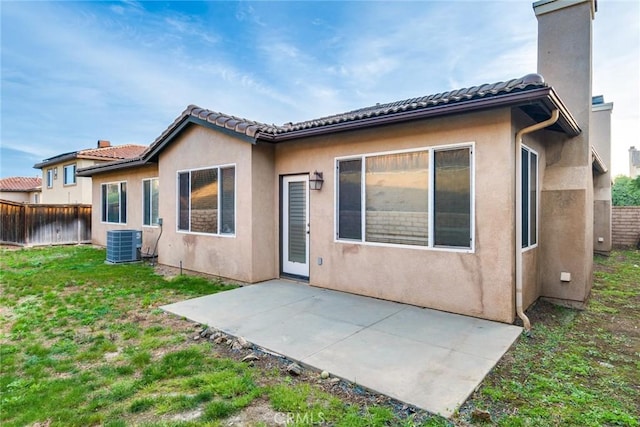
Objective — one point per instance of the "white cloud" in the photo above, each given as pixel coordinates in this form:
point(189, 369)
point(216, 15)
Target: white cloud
point(124, 71)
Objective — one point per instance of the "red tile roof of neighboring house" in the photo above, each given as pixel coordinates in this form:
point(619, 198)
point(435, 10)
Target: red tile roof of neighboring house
point(118, 152)
point(20, 183)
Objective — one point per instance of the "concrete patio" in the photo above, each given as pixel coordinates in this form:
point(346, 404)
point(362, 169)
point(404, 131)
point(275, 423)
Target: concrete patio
point(426, 358)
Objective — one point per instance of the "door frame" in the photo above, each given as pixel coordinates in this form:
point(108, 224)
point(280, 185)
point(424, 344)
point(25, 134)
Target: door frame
point(284, 180)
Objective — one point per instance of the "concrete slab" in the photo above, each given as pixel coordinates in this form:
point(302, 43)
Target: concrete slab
point(427, 358)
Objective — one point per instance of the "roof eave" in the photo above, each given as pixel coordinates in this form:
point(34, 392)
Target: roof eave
point(110, 167)
point(597, 163)
point(180, 125)
point(545, 96)
point(55, 160)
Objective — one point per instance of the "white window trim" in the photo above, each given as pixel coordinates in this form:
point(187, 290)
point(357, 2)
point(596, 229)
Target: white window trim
point(235, 200)
point(430, 246)
point(535, 245)
point(64, 175)
point(142, 184)
point(50, 181)
point(119, 202)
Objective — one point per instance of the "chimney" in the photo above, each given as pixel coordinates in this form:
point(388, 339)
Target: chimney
point(102, 143)
point(567, 193)
point(565, 56)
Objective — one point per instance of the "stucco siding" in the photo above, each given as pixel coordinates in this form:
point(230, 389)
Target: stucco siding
point(477, 284)
point(59, 193)
point(17, 196)
point(133, 178)
point(222, 255)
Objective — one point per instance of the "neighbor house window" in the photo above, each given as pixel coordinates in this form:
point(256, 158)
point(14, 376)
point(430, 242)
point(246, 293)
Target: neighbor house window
point(416, 198)
point(114, 202)
point(150, 193)
point(206, 200)
point(69, 174)
point(49, 178)
point(529, 197)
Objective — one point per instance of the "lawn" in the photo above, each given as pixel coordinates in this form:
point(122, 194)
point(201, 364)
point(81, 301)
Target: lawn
point(84, 343)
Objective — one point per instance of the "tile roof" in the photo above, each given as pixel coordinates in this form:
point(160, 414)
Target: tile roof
point(530, 81)
point(530, 92)
point(118, 152)
point(20, 183)
point(127, 151)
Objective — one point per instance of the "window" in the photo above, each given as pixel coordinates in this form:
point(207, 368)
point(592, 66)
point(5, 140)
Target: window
point(206, 200)
point(114, 202)
point(417, 198)
point(49, 178)
point(69, 174)
point(529, 197)
point(150, 192)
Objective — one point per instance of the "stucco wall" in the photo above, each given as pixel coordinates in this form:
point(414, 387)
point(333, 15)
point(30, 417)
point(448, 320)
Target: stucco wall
point(564, 59)
point(477, 284)
point(16, 196)
point(134, 178)
point(626, 226)
point(601, 140)
point(224, 255)
point(78, 193)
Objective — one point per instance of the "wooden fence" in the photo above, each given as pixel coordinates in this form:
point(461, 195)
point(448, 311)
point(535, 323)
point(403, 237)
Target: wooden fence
point(32, 225)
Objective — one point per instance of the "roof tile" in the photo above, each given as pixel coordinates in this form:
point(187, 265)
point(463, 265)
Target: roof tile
point(127, 151)
point(20, 183)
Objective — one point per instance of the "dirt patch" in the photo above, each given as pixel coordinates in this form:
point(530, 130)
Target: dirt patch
point(259, 412)
point(169, 272)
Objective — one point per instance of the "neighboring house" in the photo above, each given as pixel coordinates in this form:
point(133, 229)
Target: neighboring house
point(634, 162)
point(476, 201)
point(60, 183)
point(21, 189)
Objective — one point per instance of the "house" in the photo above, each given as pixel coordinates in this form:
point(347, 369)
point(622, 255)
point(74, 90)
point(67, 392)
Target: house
point(62, 186)
point(21, 189)
point(475, 201)
point(634, 162)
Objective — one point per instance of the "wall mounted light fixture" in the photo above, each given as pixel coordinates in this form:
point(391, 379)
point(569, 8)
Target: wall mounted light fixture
point(315, 183)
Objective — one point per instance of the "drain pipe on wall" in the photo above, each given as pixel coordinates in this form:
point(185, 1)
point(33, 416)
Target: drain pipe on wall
point(518, 250)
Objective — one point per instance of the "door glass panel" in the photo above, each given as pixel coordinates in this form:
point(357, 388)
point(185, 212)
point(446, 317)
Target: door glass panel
point(297, 222)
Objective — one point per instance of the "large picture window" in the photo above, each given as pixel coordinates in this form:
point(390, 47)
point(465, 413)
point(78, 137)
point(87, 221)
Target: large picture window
point(150, 198)
point(416, 198)
point(529, 197)
point(114, 202)
point(207, 200)
point(69, 174)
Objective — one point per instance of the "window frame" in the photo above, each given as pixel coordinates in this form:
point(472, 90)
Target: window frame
point(530, 151)
point(104, 217)
point(151, 223)
point(431, 198)
point(219, 168)
point(50, 177)
point(64, 175)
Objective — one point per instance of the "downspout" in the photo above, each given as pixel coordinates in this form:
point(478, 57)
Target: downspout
point(518, 249)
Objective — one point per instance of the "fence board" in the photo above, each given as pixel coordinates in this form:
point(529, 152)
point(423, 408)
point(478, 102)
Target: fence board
point(29, 224)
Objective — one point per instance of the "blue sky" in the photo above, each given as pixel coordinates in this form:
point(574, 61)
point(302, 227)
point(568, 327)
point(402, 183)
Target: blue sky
point(76, 72)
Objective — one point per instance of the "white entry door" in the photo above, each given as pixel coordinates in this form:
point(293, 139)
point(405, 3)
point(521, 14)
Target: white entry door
point(295, 225)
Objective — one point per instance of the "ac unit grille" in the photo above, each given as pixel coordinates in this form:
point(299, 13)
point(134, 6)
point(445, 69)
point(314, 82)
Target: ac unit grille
point(123, 245)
